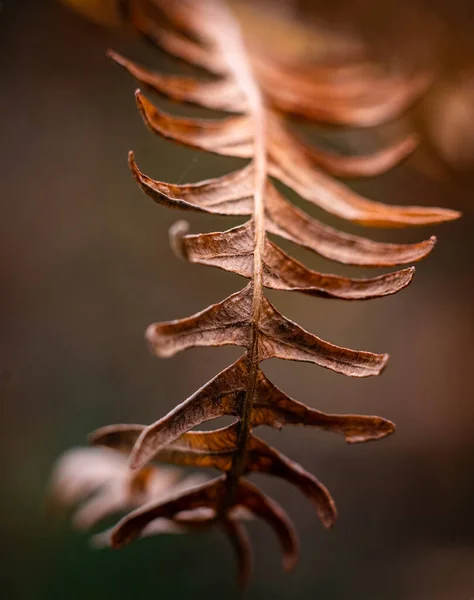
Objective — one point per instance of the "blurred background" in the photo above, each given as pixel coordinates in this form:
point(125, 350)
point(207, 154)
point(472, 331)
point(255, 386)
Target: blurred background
point(86, 266)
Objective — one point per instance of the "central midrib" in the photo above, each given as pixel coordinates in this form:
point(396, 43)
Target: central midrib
point(232, 48)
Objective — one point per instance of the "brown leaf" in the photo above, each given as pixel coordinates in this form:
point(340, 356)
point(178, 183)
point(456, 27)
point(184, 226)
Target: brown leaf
point(262, 458)
point(281, 338)
point(121, 437)
point(358, 166)
point(132, 526)
point(208, 495)
point(100, 482)
point(216, 449)
point(228, 323)
point(202, 449)
point(231, 195)
point(357, 99)
point(221, 94)
point(119, 496)
point(231, 136)
point(240, 540)
point(221, 396)
point(79, 471)
point(293, 224)
point(179, 45)
point(264, 88)
point(233, 251)
point(227, 195)
point(275, 408)
point(190, 521)
point(341, 79)
point(185, 16)
point(271, 512)
point(294, 169)
point(268, 460)
point(222, 324)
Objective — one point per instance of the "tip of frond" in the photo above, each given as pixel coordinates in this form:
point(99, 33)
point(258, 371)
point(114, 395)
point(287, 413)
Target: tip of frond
point(143, 105)
point(116, 539)
point(115, 56)
point(176, 234)
point(93, 439)
point(384, 428)
point(385, 359)
point(388, 428)
point(457, 214)
point(138, 458)
point(444, 215)
point(151, 337)
point(329, 520)
point(101, 540)
point(405, 278)
point(132, 165)
point(289, 563)
point(450, 214)
point(380, 428)
point(141, 102)
point(410, 273)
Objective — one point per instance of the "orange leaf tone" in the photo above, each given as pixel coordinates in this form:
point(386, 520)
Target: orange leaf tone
point(260, 92)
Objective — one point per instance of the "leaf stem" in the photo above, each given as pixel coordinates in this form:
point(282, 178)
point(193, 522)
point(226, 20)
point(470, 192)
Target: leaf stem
point(232, 47)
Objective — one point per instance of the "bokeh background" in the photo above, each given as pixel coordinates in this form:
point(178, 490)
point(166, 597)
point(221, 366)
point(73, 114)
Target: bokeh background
point(85, 267)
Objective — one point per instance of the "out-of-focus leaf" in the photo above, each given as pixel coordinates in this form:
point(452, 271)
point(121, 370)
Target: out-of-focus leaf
point(262, 86)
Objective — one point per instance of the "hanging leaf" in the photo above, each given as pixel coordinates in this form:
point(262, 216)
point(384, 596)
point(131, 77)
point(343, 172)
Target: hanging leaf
point(261, 91)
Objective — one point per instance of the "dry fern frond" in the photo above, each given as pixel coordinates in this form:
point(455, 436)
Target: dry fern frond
point(100, 482)
point(261, 91)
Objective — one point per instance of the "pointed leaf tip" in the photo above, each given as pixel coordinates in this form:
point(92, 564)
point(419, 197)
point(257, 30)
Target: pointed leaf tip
point(222, 324)
point(221, 396)
point(240, 540)
point(233, 251)
point(231, 136)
